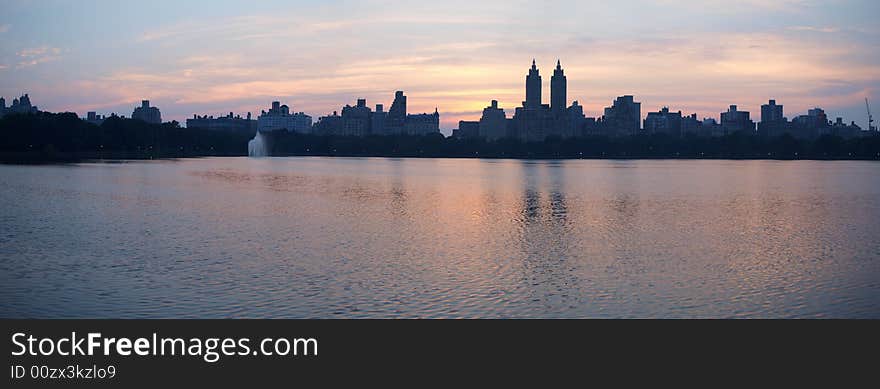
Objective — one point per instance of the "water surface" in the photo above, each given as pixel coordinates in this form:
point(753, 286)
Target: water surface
point(388, 238)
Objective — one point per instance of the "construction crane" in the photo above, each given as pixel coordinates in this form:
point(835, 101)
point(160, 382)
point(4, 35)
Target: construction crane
point(870, 118)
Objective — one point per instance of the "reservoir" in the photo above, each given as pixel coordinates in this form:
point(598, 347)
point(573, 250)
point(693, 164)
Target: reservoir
point(310, 237)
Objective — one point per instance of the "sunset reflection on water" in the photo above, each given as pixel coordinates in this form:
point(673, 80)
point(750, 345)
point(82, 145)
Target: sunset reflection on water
point(374, 237)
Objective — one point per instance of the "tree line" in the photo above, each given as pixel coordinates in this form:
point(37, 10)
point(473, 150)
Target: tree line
point(51, 136)
point(47, 135)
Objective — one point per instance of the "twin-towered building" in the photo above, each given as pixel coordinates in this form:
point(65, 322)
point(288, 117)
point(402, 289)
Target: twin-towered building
point(535, 121)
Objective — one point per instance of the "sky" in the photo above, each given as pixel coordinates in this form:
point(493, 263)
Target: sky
point(216, 56)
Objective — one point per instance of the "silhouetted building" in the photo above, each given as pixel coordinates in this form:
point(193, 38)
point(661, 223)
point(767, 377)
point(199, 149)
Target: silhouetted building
point(837, 128)
point(279, 118)
point(574, 120)
point(711, 127)
point(773, 121)
point(397, 114)
point(413, 124)
point(533, 124)
point(569, 120)
point(93, 118)
point(422, 124)
point(664, 122)
point(772, 113)
point(818, 118)
point(19, 105)
point(493, 123)
point(530, 121)
point(558, 90)
point(534, 121)
point(357, 120)
point(328, 125)
point(841, 129)
point(147, 113)
point(735, 121)
point(533, 88)
point(467, 129)
point(707, 127)
point(378, 121)
point(623, 117)
point(229, 123)
point(690, 125)
point(591, 127)
point(812, 125)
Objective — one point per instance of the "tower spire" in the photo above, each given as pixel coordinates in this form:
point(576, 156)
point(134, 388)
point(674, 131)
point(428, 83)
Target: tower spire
point(558, 89)
point(533, 88)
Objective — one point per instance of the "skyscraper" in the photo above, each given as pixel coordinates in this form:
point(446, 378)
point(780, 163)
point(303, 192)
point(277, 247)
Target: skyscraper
point(147, 113)
point(19, 105)
point(558, 90)
point(624, 116)
point(771, 112)
point(280, 118)
point(396, 114)
point(533, 88)
point(356, 120)
point(773, 123)
point(359, 120)
point(735, 120)
point(378, 120)
point(493, 123)
point(535, 121)
point(664, 121)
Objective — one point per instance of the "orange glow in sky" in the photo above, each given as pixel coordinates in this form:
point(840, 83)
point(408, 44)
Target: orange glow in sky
point(221, 56)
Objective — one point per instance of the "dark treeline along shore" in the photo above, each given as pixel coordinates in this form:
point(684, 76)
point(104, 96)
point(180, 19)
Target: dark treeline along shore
point(64, 137)
point(45, 136)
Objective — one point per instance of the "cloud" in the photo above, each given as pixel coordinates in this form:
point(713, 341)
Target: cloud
point(38, 51)
point(827, 30)
point(697, 56)
point(5, 28)
point(701, 73)
point(301, 25)
point(739, 6)
point(37, 55)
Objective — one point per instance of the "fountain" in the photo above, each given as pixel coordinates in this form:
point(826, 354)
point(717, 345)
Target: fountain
point(259, 146)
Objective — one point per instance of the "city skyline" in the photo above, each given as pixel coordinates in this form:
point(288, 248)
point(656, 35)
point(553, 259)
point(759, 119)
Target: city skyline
point(532, 121)
point(218, 57)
